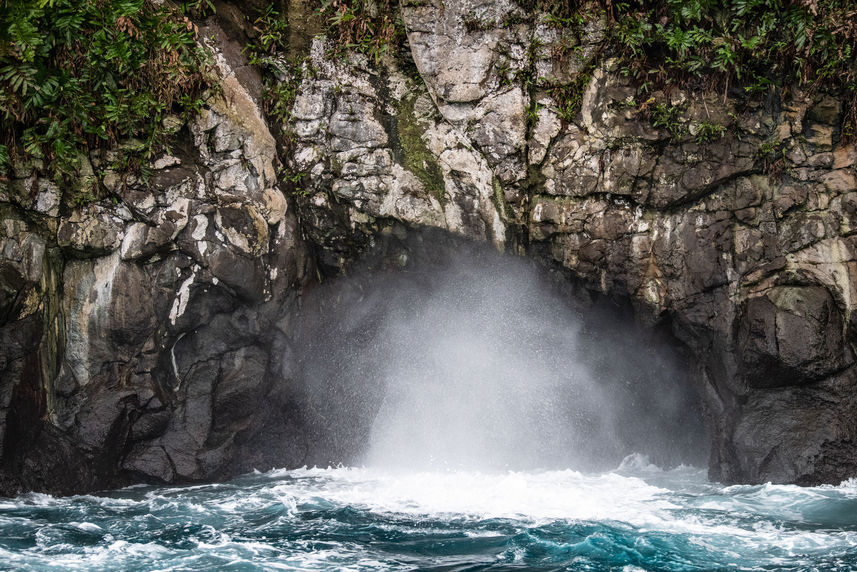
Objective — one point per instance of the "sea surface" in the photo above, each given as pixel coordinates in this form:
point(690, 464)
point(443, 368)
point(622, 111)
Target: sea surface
point(637, 517)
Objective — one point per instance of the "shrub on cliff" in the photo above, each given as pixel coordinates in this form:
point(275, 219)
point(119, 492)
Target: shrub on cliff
point(77, 75)
point(751, 45)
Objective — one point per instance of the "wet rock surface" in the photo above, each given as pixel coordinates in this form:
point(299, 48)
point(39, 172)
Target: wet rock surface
point(137, 331)
point(147, 337)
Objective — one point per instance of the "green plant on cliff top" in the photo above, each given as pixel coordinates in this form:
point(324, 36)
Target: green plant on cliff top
point(707, 132)
point(282, 77)
point(77, 75)
point(370, 27)
point(669, 117)
point(272, 30)
point(751, 44)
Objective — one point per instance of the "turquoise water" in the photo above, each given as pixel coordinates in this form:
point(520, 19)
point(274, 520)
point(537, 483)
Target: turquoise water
point(637, 517)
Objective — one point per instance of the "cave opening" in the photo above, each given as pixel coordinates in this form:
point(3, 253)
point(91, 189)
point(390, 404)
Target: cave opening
point(434, 352)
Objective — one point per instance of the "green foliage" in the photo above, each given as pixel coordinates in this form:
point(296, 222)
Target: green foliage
point(279, 99)
point(772, 155)
point(266, 51)
point(198, 8)
point(749, 45)
point(768, 149)
point(280, 96)
point(370, 27)
point(516, 19)
point(756, 43)
point(573, 21)
point(568, 10)
point(707, 132)
point(293, 181)
point(669, 117)
point(282, 78)
point(86, 74)
point(272, 31)
point(504, 71)
point(532, 114)
point(4, 160)
point(569, 96)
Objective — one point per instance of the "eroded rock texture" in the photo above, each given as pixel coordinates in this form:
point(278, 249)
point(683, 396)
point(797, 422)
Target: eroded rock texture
point(147, 337)
point(138, 333)
point(743, 242)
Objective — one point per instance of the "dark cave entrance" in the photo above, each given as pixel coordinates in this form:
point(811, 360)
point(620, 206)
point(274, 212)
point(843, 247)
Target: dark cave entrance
point(433, 348)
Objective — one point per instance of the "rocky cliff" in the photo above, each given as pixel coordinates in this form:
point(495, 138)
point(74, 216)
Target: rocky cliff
point(147, 337)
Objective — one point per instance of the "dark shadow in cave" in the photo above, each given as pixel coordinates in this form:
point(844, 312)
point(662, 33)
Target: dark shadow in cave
point(435, 352)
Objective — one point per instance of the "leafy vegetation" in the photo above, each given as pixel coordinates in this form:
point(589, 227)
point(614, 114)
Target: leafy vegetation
point(666, 116)
point(707, 131)
point(282, 77)
point(272, 37)
point(759, 42)
point(365, 26)
point(370, 27)
point(78, 75)
point(772, 155)
point(752, 45)
point(567, 11)
point(748, 45)
point(569, 96)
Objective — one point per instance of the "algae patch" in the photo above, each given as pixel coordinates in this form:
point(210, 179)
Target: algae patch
point(417, 157)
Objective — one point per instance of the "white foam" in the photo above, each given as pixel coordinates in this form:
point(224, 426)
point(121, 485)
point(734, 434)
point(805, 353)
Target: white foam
point(736, 522)
point(761, 523)
point(87, 527)
point(543, 495)
point(637, 462)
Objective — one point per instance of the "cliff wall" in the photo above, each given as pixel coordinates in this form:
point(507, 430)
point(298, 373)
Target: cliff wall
point(146, 336)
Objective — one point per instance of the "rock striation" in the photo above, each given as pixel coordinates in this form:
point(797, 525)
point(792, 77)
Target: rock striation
point(147, 337)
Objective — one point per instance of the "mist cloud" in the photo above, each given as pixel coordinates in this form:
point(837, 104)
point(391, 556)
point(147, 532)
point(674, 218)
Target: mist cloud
point(477, 361)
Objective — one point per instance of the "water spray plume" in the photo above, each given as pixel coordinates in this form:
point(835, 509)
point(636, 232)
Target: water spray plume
point(476, 361)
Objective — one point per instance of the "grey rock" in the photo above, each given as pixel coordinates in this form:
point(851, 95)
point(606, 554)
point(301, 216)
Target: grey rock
point(91, 231)
point(790, 336)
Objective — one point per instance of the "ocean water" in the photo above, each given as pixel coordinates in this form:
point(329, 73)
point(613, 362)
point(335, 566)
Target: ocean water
point(636, 517)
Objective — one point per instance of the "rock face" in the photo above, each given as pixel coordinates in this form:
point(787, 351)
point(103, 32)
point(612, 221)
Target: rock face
point(375, 147)
point(146, 337)
point(137, 333)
